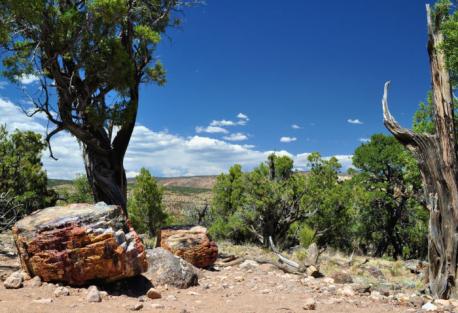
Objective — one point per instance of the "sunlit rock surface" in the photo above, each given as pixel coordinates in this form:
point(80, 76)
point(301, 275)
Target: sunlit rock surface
point(190, 243)
point(79, 243)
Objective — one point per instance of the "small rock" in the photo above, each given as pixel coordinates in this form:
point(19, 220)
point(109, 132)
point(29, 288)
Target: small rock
point(346, 291)
point(35, 282)
point(375, 295)
point(309, 304)
point(266, 291)
point(342, 278)
point(93, 294)
point(328, 280)
point(61, 292)
point(43, 301)
point(14, 281)
point(249, 264)
point(171, 298)
point(239, 279)
point(103, 294)
point(142, 299)
point(134, 307)
point(157, 306)
point(312, 271)
point(153, 294)
point(429, 307)
point(362, 288)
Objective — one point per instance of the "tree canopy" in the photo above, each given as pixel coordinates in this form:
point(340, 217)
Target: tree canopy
point(91, 57)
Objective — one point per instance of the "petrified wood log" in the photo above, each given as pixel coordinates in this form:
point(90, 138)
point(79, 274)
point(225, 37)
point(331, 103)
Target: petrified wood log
point(78, 243)
point(191, 243)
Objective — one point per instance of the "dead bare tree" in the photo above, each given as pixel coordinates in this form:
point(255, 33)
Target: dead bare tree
point(437, 159)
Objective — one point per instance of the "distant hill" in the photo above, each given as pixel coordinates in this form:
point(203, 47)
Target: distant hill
point(202, 183)
point(185, 183)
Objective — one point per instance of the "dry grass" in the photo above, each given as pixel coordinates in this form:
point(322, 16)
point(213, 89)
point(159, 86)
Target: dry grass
point(331, 261)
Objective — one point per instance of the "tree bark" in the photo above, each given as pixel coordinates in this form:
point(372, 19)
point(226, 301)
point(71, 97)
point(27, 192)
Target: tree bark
point(436, 157)
point(107, 177)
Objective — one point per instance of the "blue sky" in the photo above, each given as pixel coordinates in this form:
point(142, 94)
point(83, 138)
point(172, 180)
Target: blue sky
point(314, 64)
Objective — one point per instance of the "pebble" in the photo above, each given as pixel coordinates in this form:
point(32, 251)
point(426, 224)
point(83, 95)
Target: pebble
point(153, 294)
point(36, 282)
point(61, 292)
point(93, 294)
point(43, 301)
point(309, 304)
point(157, 306)
point(428, 307)
point(249, 265)
point(134, 307)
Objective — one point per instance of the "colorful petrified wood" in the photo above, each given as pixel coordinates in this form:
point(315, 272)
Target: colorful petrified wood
point(79, 243)
point(190, 243)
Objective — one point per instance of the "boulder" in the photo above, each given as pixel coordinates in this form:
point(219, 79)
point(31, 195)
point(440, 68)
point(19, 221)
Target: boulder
point(191, 243)
point(78, 243)
point(164, 268)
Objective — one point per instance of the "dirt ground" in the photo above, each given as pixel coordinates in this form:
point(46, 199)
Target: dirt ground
point(256, 289)
point(261, 290)
point(230, 290)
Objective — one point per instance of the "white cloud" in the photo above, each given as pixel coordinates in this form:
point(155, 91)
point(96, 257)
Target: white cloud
point(364, 140)
point(243, 116)
point(211, 130)
point(243, 119)
point(354, 121)
point(236, 137)
point(3, 84)
point(28, 79)
point(223, 123)
point(295, 126)
point(287, 139)
point(163, 153)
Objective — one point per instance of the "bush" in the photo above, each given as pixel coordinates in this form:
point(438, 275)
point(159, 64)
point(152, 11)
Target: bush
point(81, 191)
point(21, 172)
point(145, 205)
point(259, 204)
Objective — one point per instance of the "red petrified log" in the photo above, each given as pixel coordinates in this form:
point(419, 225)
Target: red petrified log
point(193, 244)
point(78, 243)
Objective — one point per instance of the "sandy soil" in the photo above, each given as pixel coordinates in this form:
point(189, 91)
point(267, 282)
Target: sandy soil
point(231, 290)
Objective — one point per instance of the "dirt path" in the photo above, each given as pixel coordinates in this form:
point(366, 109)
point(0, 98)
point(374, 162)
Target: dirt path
point(231, 290)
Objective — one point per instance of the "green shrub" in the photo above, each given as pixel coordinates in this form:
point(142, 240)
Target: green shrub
point(22, 175)
point(145, 205)
point(81, 191)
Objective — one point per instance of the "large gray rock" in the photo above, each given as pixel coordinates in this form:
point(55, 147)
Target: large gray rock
point(164, 268)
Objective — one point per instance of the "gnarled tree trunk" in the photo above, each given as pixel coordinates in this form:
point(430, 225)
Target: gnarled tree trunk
point(107, 177)
point(436, 156)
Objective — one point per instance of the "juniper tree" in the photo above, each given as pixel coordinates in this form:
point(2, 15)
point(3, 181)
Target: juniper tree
point(91, 57)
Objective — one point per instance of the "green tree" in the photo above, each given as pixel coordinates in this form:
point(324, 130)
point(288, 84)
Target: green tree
point(21, 171)
point(91, 57)
point(226, 206)
point(331, 201)
point(81, 191)
point(390, 215)
point(145, 205)
point(259, 204)
point(449, 28)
